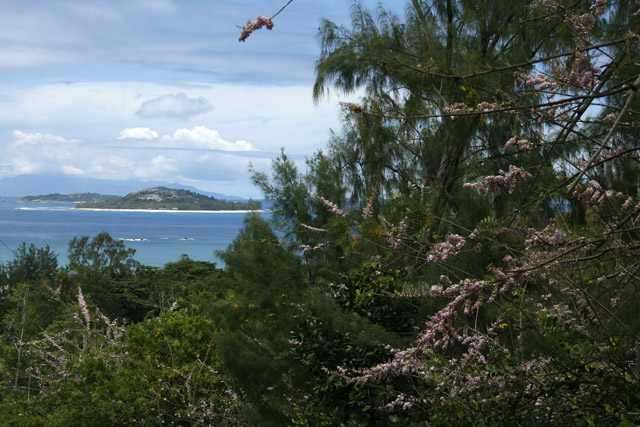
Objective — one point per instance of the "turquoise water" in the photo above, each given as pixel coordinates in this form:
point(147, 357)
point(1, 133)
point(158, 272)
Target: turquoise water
point(157, 237)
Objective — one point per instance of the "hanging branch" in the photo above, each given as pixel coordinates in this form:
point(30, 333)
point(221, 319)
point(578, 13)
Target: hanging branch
point(260, 22)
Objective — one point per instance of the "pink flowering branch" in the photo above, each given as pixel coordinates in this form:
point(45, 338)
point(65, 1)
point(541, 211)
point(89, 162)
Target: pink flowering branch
point(260, 22)
point(306, 248)
point(252, 26)
point(367, 212)
point(627, 106)
point(84, 310)
point(509, 179)
point(332, 207)
point(314, 229)
point(354, 108)
point(548, 280)
point(52, 353)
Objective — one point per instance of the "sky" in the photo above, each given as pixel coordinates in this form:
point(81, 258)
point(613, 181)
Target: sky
point(161, 90)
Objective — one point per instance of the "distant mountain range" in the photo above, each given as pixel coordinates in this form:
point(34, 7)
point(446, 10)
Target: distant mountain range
point(24, 185)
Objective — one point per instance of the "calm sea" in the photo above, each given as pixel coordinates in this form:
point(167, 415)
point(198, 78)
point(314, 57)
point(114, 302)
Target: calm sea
point(157, 237)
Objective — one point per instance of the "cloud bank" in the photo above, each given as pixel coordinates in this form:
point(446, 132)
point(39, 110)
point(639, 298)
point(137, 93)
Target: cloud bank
point(90, 129)
point(34, 152)
point(199, 137)
point(191, 156)
point(44, 139)
point(138, 133)
point(178, 106)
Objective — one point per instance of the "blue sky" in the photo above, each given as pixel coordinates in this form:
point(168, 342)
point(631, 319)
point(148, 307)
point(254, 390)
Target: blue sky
point(160, 89)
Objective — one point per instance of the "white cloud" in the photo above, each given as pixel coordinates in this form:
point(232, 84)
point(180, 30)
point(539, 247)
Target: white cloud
point(37, 152)
point(22, 138)
point(173, 106)
point(63, 127)
point(276, 117)
point(71, 170)
point(138, 133)
point(24, 165)
point(202, 137)
point(199, 137)
point(69, 68)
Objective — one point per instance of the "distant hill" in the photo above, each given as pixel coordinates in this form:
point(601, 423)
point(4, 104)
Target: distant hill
point(21, 185)
point(164, 198)
point(72, 198)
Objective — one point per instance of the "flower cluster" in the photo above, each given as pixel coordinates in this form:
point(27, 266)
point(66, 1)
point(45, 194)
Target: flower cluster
point(84, 310)
point(550, 236)
point(593, 194)
point(252, 26)
point(523, 144)
point(608, 155)
point(509, 179)
point(442, 251)
point(483, 109)
point(367, 212)
point(456, 109)
point(395, 239)
point(54, 351)
point(332, 207)
point(306, 248)
point(541, 81)
point(598, 7)
point(581, 25)
point(314, 229)
point(354, 108)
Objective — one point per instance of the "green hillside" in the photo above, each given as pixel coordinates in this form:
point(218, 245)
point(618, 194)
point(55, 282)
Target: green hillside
point(169, 199)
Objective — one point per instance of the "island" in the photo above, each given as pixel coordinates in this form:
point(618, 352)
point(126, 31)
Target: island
point(163, 198)
point(68, 198)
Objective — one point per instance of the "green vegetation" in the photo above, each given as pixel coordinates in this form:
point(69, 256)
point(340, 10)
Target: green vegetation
point(68, 198)
point(168, 199)
point(466, 252)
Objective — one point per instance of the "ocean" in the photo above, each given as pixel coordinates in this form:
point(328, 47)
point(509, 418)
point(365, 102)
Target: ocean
point(157, 237)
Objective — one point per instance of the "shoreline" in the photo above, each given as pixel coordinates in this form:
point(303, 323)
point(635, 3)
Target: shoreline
point(148, 210)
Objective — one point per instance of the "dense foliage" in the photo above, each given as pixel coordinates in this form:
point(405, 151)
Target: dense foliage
point(466, 251)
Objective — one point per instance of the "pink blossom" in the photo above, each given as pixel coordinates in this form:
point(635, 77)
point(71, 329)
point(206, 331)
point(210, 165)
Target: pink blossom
point(83, 309)
point(610, 118)
point(510, 142)
point(492, 182)
point(316, 229)
point(332, 207)
point(306, 248)
point(456, 240)
point(252, 26)
point(368, 210)
point(354, 108)
point(598, 7)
